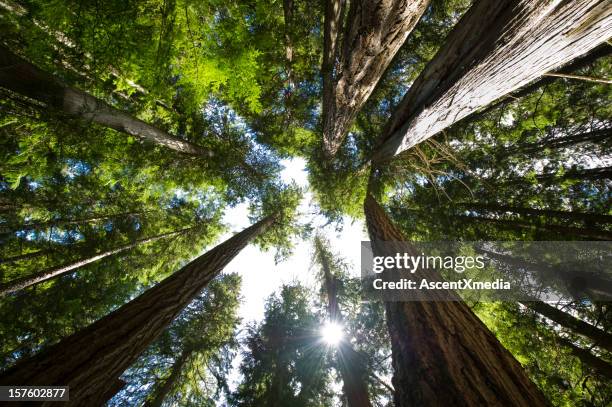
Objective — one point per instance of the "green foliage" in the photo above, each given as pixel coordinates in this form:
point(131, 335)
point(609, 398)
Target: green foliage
point(285, 362)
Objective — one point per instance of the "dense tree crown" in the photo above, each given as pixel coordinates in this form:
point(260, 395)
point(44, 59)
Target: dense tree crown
point(131, 130)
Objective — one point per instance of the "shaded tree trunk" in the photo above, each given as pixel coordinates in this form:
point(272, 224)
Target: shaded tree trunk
point(357, 55)
point(20, 76)
point(578, 282)
point(90, 360)
point(519, 226)
point(565, 141)
point(547, 213)
point(443, 355)
point(161, 392)
point(288, 18)
point(496, 48)
point(25, 256)
point(62, 222)
point(351, 364)
point(599, 337)
point(598, 365)
point(46, 275)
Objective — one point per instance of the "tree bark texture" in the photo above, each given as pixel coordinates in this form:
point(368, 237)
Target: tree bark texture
point(20, 76)
point(45, 275)
point(497, 47)
point(356, 56)
point(90, 360)
point(443, 355)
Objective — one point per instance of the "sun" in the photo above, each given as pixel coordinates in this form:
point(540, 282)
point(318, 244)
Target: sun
point(332, 333)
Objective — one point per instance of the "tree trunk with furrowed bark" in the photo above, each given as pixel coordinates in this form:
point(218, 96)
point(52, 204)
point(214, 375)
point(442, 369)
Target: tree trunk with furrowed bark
point(91, 360)
point(443, 355)
point(599, 337)
point(48, 274)
point(20, 76)
point(357, 54)
point(496, 48)
point(351, 364)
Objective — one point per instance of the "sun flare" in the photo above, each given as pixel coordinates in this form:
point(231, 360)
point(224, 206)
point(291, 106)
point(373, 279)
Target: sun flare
point(332, 333)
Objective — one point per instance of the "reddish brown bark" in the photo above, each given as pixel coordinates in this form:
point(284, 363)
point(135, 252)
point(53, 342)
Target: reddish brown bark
point(91, 360)
point(357, 54)
point(443, 355)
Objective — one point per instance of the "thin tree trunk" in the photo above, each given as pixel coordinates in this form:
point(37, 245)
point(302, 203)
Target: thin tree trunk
point(25, 256)
point(584, 233)
point(548, 213)
point(374, 32)
point(599, 337)
point(598, 365)
point(288, 18)
point(565, 141)
point(579, 77)
point(578, 282)
point(20, 76)
point(62, 222)
point(351, 364)
point(161, 392)
point(46, 275)
point(90, 360)
point(497, 47)
point(443, 355)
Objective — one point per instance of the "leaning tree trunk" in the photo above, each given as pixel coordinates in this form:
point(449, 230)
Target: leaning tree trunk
point(46, 275)
point(351, 364)
point(374, 32)
point(599, 337)
point(91, 360)
point(563, 142)
point(547, 213)
point(161, 392)
point(62, 222)
point(597, 364)
point(443, 355)
point(20, 76)
point(25, 256)
point(497, 47)
point(518, 226)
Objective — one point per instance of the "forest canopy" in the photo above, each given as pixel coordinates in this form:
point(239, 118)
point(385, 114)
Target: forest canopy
point(161, 161)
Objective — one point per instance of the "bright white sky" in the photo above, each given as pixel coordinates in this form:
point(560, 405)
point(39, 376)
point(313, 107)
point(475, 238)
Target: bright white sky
point(261, 277)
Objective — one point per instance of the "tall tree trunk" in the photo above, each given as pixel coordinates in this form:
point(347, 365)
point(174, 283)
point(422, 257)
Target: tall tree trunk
point(564, 141)
point(497, 47)
point(61, 222)
point(90, 360)
point(443, 355)
point(597, 364)
point(598, 173)
point(584, 233)
point(583, 61)
point(20, 76)
point(578, 282)
point(45, 275)
point(288, 18)
point(161, 392)
point(374, 32)
point(351, 364)
point(25, 256)
point(547, 213)
point(599, 337)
